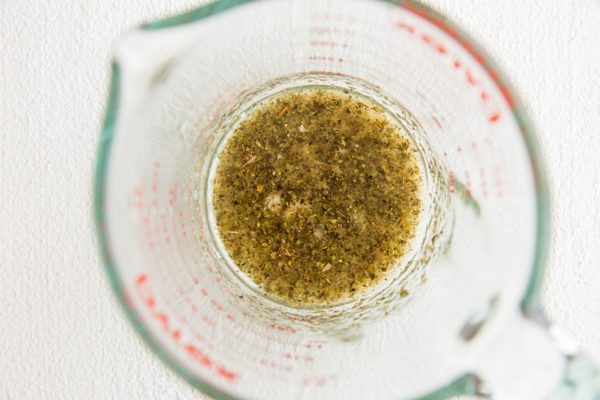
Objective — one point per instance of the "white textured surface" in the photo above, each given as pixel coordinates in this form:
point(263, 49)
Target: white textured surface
point(61, 332)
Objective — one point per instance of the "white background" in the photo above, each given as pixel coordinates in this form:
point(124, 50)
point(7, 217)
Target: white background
point(62, 335)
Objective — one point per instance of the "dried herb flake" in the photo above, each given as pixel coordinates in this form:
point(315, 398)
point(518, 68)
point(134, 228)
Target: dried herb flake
point(316, 195)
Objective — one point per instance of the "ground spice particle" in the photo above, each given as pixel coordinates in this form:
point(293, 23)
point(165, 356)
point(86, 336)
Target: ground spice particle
point(316, 195)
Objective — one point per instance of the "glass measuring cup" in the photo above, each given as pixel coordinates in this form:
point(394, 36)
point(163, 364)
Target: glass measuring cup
point(466, 318)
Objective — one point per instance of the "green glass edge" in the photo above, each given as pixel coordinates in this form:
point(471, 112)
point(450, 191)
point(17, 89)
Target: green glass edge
point(465, 384)
point(106, 137)
point(195, 14)
point(530, 303)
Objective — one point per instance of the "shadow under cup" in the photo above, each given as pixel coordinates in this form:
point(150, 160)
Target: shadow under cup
point(179, 88)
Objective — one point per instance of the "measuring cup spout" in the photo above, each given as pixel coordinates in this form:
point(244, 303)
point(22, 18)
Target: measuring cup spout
point(146, 59)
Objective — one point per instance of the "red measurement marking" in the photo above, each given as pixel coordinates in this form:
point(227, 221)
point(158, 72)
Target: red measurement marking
point(231, 318)
point(472, 81)
point(491, 107)
point(282, 328)
point(445, 28)
point(469, 48)
point(138, 197)
point(425, 37)
point(452, 182)
point(163, 319)
point(327, 43)
point(325, 58)
point(173, 194)
point(483, 182)
point(224, 286)
point(405, 26)
point(182, 224)
point(165, 229)
point(498, 181)
point(437, 46)
point(275, 365)
point(307, 359)
point(322, 71)
point(239, 342)
point(468, 183)
point(155, 182)
point(248, 330)
point(199, 356)
point(208, 321)
point(228, 375)
point(264, 335)
point(144, 292)
point(503, 89)
point(202, 339)
point(181, 319)
point(216, 305)
point(318, 381)
point(176, 335)
point(192, 350)
point(319, 30)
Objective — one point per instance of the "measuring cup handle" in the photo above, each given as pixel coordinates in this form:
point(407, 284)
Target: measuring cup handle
point(532, 361)
point(581, 380)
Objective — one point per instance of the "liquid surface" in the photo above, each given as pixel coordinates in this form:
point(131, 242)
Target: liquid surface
point(317, 195)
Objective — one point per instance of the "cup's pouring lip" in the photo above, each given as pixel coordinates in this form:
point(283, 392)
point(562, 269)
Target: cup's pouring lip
point(530, 299)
